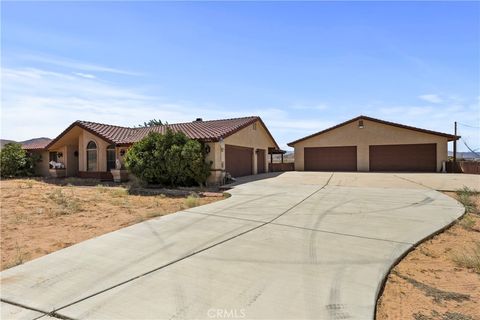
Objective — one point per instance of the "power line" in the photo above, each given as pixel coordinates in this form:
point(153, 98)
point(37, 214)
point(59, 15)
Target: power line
point(471, 150)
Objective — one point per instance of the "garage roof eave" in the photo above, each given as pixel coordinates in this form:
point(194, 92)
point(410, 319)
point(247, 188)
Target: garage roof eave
point(450, 137)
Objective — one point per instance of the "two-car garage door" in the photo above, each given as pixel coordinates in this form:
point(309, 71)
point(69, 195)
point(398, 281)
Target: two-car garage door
point(401, 157)
point(404, 157)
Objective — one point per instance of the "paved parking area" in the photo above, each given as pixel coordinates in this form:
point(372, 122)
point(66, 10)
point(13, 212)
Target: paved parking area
point(294, 246)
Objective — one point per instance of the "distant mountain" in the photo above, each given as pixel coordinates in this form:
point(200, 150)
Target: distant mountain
point(287, 157)
point(32, 142)
point(465, 155)
point(4, 142)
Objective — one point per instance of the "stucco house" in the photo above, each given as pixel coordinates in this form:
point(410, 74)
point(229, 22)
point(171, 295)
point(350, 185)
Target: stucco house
point(368, 144)
point(239, 146)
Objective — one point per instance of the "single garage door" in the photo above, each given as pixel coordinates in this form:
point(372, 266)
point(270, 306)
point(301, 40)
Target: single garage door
point(238, 160)
point(330, 159)
point(261, 158)
point(404, 157)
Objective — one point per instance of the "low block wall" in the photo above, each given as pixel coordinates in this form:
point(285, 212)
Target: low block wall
point(279, 167)
point(101, 175)
point(472, 167)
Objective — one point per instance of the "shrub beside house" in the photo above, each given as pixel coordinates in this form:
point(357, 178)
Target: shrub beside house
point(16, 162)
point(170, 159)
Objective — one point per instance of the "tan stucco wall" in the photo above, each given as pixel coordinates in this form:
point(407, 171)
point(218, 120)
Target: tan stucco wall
point(84, 138)
point(373, 133)
point(252, 138)
point(217, 157)
point(41, 166)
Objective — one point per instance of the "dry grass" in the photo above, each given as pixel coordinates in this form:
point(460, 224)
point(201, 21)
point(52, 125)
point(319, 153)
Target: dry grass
point(470, 258)
point(440, 279)
point(38, 218)
point(192, 201)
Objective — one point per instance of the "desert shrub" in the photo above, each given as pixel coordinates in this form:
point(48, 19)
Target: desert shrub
point(467, 222)
point(15, 162)
point(118, 192)
point(466, 197)
point(67, 204)
point(191, 201)
point(170, 159)
point(469, 258)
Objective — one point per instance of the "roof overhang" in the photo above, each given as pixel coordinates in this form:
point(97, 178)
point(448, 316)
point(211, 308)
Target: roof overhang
point(73, 126)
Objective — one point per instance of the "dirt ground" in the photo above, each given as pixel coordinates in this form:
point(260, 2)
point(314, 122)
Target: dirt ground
point(38, 218)
point(440, 279)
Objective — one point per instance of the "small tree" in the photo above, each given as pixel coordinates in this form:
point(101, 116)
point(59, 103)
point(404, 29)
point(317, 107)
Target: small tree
point(152, 123)
point(15, 162)
point(169, 159)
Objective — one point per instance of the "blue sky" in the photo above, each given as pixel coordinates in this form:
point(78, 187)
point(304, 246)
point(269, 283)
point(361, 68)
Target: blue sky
point(302, 67)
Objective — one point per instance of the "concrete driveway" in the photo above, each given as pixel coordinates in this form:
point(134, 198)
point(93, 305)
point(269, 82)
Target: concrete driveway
point(294, 246)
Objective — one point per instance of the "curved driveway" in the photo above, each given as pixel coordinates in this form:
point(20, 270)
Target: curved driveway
point(295, 246)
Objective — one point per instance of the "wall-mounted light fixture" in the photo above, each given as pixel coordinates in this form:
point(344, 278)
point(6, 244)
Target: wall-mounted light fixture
point(360, 124)
point(207, 149)
point(122, 152)
point(60, 154)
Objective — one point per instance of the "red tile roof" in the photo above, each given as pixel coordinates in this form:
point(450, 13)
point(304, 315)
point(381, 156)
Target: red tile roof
point(110, 133)
point(207, 131)
point(212, 130)
point(450, 137)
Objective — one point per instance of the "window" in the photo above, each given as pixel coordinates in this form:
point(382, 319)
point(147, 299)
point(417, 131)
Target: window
point(52, 156)
point(111, 157)
point(91, 156)
point(254, 126)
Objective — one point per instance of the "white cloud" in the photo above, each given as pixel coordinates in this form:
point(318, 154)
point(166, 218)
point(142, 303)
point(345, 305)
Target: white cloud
point(75, 65)
point(37, 102)
point(432, 98)
point(84, 75)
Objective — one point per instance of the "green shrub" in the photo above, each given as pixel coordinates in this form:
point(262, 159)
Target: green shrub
point(170, 159)
point(15, 162)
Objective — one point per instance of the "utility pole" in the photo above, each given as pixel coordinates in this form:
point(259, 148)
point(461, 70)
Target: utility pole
point(455, 150)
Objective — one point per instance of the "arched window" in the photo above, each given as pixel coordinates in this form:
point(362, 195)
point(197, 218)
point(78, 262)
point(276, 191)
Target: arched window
point(91, 156)
point(111, 157)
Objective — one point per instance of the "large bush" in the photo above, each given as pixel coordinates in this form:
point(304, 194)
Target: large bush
point(170, 159)
point(15, 162)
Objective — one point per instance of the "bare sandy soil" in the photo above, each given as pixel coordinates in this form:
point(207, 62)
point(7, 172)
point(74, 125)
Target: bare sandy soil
point(38, 218)
point(440, 279)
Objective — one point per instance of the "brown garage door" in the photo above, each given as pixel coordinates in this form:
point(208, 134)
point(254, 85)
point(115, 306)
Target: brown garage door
point(331, 159)
point(404, 157)
point(261, 154)
point(238, 160)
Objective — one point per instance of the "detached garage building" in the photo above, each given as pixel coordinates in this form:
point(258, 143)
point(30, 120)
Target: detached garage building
point(368, 144)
